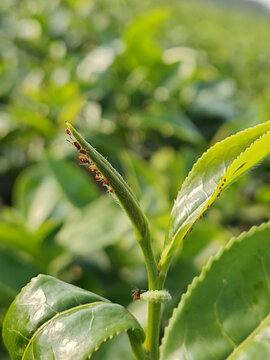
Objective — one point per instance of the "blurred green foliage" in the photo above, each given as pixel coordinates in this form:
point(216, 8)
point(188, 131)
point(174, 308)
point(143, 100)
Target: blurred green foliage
point(152, 88)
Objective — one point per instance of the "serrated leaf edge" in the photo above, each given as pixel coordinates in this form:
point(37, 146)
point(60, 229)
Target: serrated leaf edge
point(206, 268)
point(216, 191)
point(88, 305)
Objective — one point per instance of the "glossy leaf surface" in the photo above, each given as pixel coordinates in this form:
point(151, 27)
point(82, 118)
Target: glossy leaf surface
point(214, 171)
point(51, 319)
point(225, 313)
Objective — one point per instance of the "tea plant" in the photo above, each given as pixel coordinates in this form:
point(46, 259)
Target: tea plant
point(225, 313)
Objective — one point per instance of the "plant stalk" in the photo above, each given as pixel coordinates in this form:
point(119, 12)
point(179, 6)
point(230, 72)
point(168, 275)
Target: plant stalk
point(153, 329)
point(137, 347)
point(154, 318)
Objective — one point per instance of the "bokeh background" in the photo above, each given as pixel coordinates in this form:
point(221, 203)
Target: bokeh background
point(152, 85)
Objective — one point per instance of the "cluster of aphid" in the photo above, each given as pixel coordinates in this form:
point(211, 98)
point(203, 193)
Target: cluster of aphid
point(86, 160)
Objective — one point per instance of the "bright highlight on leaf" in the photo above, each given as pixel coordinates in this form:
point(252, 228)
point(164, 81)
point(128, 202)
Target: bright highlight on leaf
point(225, 313)
point(214, 171)
point(50, 319)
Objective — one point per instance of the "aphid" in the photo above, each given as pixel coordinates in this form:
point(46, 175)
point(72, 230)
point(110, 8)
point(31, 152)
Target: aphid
point(201, 216)
point(224, 180)
point(68, 132)
point(99, 178)
point(190, 229)
point(92, 168)
point(218, 195)
point(111, 191)
point(106, 182)
point(77, 145)
point(84, 160)
point(82, 151)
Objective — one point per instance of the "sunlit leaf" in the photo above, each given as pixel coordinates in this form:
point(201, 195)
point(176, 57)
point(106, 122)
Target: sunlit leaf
point(52, 319)
point(225, 313)
point(214, 171)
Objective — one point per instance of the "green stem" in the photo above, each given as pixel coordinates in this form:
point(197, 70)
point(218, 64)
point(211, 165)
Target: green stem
point(154, 318)
point(153, 329)
point(137, 347)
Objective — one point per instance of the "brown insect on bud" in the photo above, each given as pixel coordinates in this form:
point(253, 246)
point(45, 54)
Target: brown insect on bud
point(136, 293)
point(201, 216)
point(106, 182)
point(99, 178)
point(68, 132)
point(190, 229)
point(111, 191)
point(84, 160)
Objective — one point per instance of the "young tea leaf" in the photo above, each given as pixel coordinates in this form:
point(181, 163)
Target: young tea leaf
point(117, 185)
point(50, 319)
point(225, 313)
point(214, 171)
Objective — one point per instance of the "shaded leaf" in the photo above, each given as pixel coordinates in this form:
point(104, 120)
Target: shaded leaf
point(100, 224)
point(33, 188)
point(171, 123)
point(79, 189)
point(225, 313)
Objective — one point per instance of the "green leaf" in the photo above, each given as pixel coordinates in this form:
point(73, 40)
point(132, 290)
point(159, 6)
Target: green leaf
point(126, 198)
point(51, 319)
point(170, 123)
point(34, 120)
point(141, 47)
point(13, 233)
point(225, 313)
point(214, 171)
point(100, 224)
point(34, 187)
point(79, 189)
